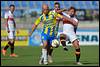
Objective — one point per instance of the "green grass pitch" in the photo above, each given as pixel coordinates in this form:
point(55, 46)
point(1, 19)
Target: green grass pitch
point(30, 55)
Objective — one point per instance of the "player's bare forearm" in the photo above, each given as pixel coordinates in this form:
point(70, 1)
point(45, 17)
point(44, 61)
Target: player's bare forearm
point(73, 22)
point(59, 11)
point(33, 28)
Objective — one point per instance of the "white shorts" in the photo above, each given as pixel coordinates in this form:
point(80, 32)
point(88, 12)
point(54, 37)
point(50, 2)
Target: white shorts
point(11, 35)
point(68, 30)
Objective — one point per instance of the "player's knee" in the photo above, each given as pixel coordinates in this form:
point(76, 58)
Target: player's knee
point(75, 43)
point(45, 45)
point(62, 37)
point(11, 41)
point(49, 47)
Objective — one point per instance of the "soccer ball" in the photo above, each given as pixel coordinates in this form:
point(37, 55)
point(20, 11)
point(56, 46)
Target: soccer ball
point(55, 43)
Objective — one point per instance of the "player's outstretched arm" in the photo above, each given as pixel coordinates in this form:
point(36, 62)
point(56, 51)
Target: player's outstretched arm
point(33, 28)
point(72, 21)
point(35, 25)
point(62, 10)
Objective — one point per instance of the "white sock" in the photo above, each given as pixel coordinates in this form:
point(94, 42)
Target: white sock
point(44, 54)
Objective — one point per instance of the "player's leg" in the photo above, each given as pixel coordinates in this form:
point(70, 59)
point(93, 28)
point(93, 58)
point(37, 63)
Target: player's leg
point(44, 58)
point(63, 41)
point(77, 51)
point(8, 44)
point(75, 42)
point(12, 41)
point(5, 48)
point(44, 52)
point(75, 28)
point(12, 48)
point(50, 50)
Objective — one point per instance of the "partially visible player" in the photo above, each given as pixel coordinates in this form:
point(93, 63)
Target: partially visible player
point(69, 30)
point(10, 26)
point(47, 34)
point(58, 10)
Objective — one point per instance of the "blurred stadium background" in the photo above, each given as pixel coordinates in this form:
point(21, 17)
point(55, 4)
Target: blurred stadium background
point(26, 13)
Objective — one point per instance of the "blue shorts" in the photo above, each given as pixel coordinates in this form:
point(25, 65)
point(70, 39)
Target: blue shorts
point(47, 38)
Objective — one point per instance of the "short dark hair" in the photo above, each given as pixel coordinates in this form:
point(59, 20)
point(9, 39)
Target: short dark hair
point(12, 5)
point(57, 3)
point(72, 8)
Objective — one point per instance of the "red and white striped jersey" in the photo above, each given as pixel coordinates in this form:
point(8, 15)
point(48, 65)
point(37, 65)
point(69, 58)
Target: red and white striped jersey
point(10, 24)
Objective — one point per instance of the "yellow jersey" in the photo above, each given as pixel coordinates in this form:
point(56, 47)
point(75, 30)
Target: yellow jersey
point(49, 22)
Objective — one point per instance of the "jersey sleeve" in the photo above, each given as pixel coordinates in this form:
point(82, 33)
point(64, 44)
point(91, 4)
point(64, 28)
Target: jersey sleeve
point(60, 16)
point(38, 21)
point(56, 14)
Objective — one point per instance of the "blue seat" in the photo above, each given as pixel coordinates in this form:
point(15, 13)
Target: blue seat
point(69, 3)
point(17, 13)
point(17, 3)
point(24, 4)
point(88, 5)
point(3, 5)
point(66, 4)
point(52, 4)
point(77, 5)
point(9, 2)
point(45, 2)
point(95, 4)
point(31, 4)
point(38, 4)
point(73, 3)
point(61, 4)
point(81, 5)
point(3, 13)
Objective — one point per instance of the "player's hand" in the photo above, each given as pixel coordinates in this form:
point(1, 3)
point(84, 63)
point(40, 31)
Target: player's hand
point(30, 33)
point(58, 19)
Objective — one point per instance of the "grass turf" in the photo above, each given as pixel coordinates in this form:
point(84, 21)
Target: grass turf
point(30, 55)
